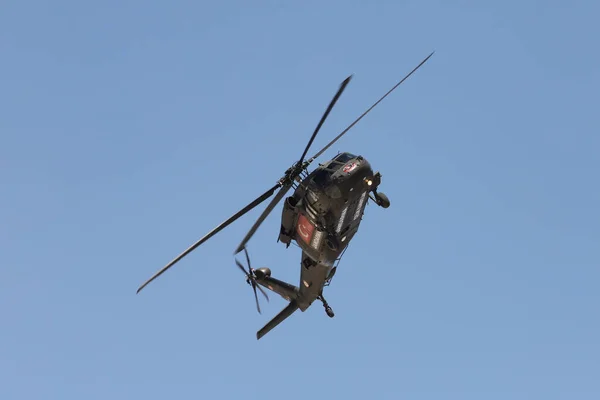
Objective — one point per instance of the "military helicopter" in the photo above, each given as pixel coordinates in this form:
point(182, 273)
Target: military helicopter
point(321, 217)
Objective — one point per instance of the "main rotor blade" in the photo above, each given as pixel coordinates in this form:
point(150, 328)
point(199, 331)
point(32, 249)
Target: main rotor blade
point(366, 112)
point(256, 296)
point(264, 215)
point(329, 108)
point(210, 234)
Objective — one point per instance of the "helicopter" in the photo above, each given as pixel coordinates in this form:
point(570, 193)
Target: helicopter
point(321, 217)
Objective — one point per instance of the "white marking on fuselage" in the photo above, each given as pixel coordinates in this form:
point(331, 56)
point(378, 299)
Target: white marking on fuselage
point(316, 240)
point(359, 207)
point(341, 221)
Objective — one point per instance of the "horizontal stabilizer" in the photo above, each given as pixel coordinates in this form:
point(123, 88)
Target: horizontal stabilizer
point(279, 318)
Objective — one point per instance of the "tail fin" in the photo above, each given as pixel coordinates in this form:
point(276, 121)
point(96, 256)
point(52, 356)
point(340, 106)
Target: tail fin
point(279, 318)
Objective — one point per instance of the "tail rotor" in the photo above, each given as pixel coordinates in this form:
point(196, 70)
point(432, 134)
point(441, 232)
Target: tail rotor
point(251, 279)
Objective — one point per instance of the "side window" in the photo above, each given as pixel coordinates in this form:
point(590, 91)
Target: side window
point(320, 177)
point(344, 157)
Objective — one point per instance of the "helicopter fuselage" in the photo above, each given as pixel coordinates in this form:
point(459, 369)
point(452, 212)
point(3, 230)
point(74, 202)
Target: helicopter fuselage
point(322, 216)
point(326, 208)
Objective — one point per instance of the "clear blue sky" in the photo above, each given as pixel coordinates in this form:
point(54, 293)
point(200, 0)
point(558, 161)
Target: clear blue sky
point(129, 129)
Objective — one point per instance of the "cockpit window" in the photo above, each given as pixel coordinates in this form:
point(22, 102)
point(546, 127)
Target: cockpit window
point(344, 157)
point(320, 177)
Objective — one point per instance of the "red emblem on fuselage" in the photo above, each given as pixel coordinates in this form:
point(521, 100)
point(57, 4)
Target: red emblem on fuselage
point(305, 228)
point(349, 167)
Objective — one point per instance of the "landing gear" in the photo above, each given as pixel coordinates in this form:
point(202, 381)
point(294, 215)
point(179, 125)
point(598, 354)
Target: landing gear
point(328, 309)
point(382, 200)
point(329, 312)
point(378, 197)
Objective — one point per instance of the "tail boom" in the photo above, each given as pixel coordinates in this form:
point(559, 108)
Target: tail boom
point(286, 290)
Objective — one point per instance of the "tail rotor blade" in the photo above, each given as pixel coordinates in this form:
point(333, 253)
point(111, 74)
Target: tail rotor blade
point(256, 297)
point(241, 267)
point(248, 258)
point(263, 292)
